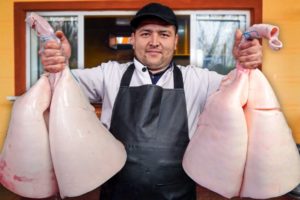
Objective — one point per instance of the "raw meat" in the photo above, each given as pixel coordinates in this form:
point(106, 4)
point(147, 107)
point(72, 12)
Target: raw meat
point(25, 164)
point(216, 155)
point(84, 153)
point(266, 31)
point(273, 163)
point(249, 154)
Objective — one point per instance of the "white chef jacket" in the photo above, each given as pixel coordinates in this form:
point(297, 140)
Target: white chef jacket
point(102, 83)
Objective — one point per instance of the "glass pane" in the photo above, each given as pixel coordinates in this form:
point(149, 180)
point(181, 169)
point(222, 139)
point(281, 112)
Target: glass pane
point(101, 34)
point(99, 31)
point(214, 40)
point(69, 25)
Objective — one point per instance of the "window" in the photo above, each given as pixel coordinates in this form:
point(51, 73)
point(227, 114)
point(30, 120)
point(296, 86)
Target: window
point(188, 49)
point(69, 25)
point(208, 44)
point(212, 33)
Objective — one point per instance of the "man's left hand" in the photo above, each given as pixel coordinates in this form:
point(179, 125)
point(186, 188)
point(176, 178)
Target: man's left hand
point(248, 53)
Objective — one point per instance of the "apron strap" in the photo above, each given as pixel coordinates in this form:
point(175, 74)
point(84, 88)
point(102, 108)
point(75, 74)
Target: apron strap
point(125, 81)
point(178, 80)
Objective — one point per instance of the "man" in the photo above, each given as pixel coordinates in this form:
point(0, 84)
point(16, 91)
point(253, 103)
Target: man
point(150, 105)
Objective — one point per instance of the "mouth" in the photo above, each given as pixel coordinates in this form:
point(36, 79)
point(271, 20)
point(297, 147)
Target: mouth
point(153, 52)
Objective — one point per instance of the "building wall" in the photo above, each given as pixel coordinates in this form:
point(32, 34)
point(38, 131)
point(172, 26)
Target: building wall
point(6, 64)
point(282, 68)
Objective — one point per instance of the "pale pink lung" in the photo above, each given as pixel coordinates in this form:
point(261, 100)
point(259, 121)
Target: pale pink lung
point(215, 157)
point(84, 153)
point(26, 167)
point(243, 145)
point(273, 163)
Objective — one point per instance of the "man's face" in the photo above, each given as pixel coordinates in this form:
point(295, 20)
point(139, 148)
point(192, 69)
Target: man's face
point(154, 43)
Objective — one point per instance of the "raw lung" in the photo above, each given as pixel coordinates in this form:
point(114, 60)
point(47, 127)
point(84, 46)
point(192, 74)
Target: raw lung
point(84, 153)
point(273, 162)
point(216, 155)
point(25, 164)
point(243, 145)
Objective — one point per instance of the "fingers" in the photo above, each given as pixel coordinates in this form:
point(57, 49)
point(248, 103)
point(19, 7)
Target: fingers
point(52, 57)
point(249, 43)
point(237, 41)
point(238, 37)
point(54, 68)
point(46, 61)
point(52, 52)
point(251, 64)
point(60, 35)
point(251, 61)
point(64, 43)
point(52, 44)
point(249, 54)
point(250, 51)
point(250, 57)
point(53, 64)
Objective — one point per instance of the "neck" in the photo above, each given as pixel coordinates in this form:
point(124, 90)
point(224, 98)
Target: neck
point(155, 71)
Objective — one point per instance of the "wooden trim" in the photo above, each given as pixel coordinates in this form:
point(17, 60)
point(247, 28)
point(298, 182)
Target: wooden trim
point(20, 50)
point(20, 9)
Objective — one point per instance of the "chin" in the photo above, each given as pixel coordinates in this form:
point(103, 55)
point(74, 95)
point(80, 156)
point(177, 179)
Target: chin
point(152, 65)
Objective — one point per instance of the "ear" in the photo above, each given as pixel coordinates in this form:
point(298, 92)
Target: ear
point(176, 41)
point(132, 40)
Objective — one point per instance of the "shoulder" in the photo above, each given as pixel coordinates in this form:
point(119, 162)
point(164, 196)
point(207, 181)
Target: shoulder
point(110, 69)
point(199, 74)
point(200, 79)
point(114, 66)
point(106, 70)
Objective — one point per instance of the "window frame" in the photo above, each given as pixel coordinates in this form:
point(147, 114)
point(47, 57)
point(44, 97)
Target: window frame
point(21, 8)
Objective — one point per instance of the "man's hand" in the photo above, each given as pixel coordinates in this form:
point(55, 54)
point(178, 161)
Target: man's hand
point(249, 53)
point(55, 56)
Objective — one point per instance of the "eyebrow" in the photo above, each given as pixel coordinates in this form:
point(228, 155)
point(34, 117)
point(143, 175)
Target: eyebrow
point(159, 31)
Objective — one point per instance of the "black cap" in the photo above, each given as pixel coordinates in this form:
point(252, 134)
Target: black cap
point(156, 10)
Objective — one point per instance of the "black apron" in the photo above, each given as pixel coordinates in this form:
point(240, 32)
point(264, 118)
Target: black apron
point(152, 124)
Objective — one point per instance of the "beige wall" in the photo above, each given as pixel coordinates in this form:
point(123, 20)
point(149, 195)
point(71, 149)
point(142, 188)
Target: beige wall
point(282, 68)
point(6, 63)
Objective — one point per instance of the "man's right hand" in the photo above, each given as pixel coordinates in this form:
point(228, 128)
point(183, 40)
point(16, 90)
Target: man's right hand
point(55, 56)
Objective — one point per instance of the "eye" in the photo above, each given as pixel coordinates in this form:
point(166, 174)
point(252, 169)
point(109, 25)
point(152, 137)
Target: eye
point(165, 35)
point(145, 34)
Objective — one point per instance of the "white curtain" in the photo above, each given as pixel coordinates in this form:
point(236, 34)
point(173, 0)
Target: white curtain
point(214, 38)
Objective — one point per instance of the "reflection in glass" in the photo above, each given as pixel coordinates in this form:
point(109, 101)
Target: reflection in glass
point(67, 24)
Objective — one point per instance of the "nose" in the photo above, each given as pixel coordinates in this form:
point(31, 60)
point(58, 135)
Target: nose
point(154, 41)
